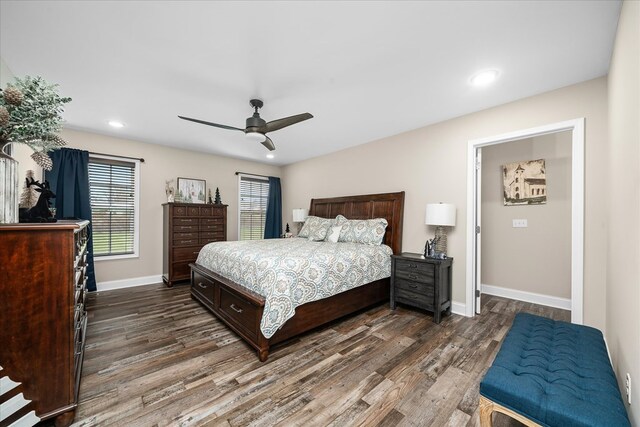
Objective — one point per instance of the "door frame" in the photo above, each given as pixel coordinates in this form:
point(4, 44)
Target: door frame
point(576, 126)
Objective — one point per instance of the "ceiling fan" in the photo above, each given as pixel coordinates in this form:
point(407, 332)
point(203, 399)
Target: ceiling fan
point(256, 128)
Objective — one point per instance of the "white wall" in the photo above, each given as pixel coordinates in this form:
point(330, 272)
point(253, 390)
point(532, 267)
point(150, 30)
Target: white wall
point(535, 259)
point(164, 163)
point(430, 165)
point(623, 200)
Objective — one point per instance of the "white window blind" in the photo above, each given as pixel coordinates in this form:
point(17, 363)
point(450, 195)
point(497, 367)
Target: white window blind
point(254, 194)
point(112, 185)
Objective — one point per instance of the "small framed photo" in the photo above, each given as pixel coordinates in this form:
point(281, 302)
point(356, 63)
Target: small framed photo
point(191, 190)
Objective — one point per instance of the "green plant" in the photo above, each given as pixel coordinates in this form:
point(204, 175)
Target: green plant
point(31, 113)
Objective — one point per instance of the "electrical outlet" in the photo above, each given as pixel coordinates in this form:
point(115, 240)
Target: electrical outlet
point(627, 386)
point(519, 223)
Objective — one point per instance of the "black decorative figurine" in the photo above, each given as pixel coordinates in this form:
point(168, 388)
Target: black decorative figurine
point(218, 201)
point(40, 212)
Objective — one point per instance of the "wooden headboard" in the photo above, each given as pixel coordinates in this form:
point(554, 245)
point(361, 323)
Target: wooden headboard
point(385, 205)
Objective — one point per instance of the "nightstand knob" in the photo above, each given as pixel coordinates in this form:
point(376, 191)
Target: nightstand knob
point(413, 286)
point(413, 266)
point(413, 276)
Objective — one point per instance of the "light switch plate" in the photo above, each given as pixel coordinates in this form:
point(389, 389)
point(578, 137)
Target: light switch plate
point(519, 223)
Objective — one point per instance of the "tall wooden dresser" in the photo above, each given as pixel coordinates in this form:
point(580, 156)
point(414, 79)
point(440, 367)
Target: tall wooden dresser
point(42, 312)
point(187, 228)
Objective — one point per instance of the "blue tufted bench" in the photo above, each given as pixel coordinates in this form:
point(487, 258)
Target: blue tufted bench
point(550, 373)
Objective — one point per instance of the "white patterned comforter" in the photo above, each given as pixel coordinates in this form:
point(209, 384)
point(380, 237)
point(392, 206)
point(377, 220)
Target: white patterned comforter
point(295, 271)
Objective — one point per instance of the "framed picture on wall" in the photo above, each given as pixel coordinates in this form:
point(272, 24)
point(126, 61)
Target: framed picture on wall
point(191, 190)
point(524, 183)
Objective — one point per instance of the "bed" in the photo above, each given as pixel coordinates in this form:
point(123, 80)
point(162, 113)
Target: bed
point(242, 308)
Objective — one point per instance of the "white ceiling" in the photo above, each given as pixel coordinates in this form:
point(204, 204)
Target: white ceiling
point(365, 70)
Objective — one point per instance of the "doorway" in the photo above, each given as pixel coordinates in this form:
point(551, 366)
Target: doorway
point(474, 224)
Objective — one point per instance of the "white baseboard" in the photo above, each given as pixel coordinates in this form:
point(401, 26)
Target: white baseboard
point(541, 299)
point(458, 308)
point(129, 283)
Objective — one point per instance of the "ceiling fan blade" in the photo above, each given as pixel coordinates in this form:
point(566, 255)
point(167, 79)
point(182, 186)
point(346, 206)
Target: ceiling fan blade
point(268, 143)
point(287, 121)
point(210, 123)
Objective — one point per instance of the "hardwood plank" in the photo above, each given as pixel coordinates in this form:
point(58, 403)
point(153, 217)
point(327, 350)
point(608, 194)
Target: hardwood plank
point(155, 357)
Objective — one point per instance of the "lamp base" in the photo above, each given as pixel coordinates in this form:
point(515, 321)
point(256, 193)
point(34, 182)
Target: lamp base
point(441, 239)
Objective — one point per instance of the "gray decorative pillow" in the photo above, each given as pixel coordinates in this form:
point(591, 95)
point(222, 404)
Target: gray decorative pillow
point(367, 231)
point(315, 228)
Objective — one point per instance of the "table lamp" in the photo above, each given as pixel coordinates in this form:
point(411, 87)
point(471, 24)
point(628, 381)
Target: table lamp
point(441, 215)
point(299, 216)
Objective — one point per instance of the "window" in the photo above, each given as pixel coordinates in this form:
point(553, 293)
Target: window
point(254, 194)
point(113, 184)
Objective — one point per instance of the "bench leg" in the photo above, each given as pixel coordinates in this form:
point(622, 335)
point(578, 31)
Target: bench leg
point(486, 412)
point(487, 408)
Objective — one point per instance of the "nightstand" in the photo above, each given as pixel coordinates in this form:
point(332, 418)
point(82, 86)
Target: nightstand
point(421, 282)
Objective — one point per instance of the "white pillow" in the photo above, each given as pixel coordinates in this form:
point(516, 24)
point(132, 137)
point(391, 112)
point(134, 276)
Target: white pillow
point(333, 234)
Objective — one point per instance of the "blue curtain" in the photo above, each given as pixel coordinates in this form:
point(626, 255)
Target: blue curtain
point(273, 220)
point(69, 180)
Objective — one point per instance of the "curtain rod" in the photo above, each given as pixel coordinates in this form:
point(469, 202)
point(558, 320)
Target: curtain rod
point(121, 157)
point(252, 174)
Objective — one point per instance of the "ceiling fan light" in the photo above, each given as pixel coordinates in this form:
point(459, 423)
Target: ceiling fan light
point(256, 136)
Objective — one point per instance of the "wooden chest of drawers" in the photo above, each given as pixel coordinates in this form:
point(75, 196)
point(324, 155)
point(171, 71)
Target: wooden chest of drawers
point(187, 228)
point(421, 282)
point(42, 312)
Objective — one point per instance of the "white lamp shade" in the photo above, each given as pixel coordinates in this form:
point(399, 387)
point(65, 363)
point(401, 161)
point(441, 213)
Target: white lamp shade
point(440, 214)
point(300, 215)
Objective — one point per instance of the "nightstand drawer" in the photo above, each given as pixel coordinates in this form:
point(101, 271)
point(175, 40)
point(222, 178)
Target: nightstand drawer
point(416, 275)
point(414, 298)
point(414, 270)
point(414, 287)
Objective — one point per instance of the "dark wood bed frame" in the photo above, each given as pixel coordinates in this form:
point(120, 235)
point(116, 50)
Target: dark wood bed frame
point(241, 309)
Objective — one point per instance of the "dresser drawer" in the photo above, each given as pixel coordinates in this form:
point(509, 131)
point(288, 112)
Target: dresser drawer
point(211, 229)
point(212, 221)
point(179, 211)
point(212, 237)
point(186, 242)
point(240, 312)
point(189, 253)
point(206, 210)
point(181, 270)
point(203, 287)
point(186, 235)
point(185, 228)
point(185, 221)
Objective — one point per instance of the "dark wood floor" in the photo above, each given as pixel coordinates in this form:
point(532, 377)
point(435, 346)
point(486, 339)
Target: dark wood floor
point(155, 357)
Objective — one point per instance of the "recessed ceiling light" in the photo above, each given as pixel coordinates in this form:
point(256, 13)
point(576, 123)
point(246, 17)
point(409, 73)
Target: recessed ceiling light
point(116, 124)
point(270, 156)
point(484, 78)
